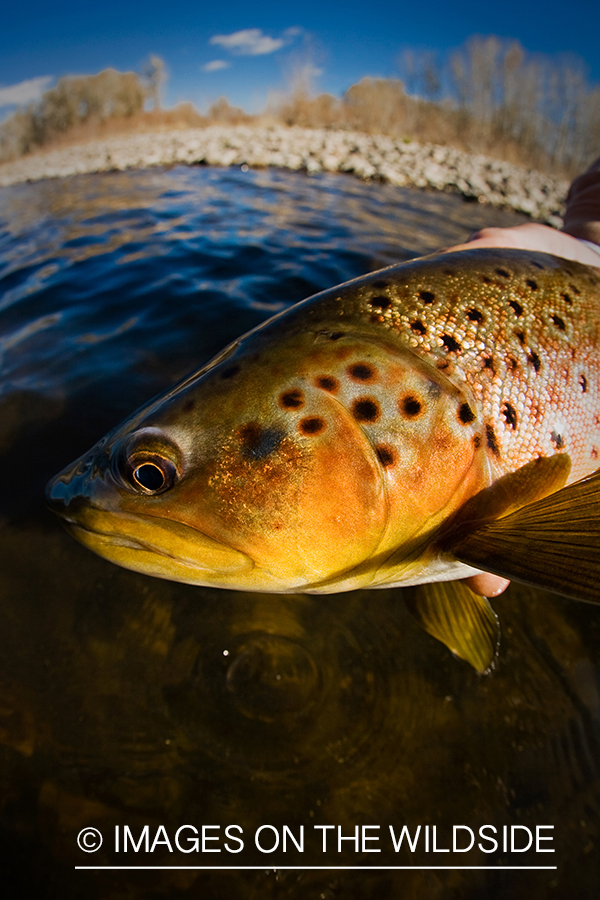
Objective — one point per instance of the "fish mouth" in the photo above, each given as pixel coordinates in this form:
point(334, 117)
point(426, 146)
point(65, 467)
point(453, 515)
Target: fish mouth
point(157, 546)
point(81, 532)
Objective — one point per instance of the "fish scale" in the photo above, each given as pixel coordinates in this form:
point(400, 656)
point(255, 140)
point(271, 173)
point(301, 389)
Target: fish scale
point(396, 430)
point(550, 378)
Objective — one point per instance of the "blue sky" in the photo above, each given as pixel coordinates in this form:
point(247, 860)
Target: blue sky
point(243, 50)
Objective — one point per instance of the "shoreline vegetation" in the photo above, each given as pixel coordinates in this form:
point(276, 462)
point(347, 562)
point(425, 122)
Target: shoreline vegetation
point(485, 120)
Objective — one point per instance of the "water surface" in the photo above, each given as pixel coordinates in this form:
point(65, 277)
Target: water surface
point(126, 700)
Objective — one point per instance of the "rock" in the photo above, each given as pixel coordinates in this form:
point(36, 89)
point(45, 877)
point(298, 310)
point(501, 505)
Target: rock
point(370, 157)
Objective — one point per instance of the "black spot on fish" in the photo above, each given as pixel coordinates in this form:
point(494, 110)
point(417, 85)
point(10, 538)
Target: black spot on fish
point(331, 335)
point(466, 414)
point(475, 315)
point(485, 280)
point(594, 453)
point(567, 299)
point(477, 441)
point(411, 406)
point(385, 454)
point(537, 265)
point(520, 336)
point(257, 441)
point(583, 383)
point(450, 344)
point(427, 297)
point(556, 320)
point(503, 273)
point(512, 364)
point(418, 327)
point(510, 414)
point(328, 383)
point(361, 371)
point(189, 405)
point(575, 289)
point(488, 363)
point(492, 440)
point(381, 285)
point(230, 372)
point(311, 425)
point(531, 284)
point(516, 306)
point(557, 440)
point(534, 359)
point(293, 399)
point(380, 302)
point(450, 272)
point(365, 410)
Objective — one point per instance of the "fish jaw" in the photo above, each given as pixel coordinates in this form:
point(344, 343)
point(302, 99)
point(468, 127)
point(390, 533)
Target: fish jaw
point(145, 543)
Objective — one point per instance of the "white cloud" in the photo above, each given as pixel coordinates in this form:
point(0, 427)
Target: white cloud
point(25, 91)
point(252, 41)
point(215, 65)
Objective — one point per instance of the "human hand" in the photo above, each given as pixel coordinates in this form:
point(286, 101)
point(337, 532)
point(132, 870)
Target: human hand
point(532, 236)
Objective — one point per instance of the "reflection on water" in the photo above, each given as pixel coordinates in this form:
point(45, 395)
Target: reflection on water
point(131, 701)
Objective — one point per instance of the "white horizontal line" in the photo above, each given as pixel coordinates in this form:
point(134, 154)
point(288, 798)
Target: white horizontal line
point(325, 868)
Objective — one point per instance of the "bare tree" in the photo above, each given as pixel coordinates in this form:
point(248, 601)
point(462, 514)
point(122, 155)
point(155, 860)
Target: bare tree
point(155, 75)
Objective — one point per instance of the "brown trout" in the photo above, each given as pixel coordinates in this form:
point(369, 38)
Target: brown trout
point(415, 425)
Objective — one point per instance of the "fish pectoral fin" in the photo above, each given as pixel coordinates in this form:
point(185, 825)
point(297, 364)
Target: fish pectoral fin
point(553, 543)
point(531, 482)
point(459, 618)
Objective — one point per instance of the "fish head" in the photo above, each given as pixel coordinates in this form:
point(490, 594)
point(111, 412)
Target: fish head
point(307, 456)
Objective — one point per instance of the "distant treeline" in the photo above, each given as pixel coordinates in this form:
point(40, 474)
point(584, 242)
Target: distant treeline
point(78, 102)
point(489, 96)
point(73, 102)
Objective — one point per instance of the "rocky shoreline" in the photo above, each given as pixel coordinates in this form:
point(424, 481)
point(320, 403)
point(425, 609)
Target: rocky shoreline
point(370, 157)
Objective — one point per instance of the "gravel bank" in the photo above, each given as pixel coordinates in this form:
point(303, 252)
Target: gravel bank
point(369, 157)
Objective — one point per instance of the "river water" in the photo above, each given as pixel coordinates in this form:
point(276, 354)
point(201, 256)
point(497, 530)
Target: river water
point(128, 702)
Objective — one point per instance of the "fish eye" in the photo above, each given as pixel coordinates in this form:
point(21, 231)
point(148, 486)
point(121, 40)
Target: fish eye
point(150, 473)
point(146, 462)
point(149, 476)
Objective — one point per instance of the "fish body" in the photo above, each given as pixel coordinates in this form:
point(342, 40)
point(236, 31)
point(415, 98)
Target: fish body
point(338, 445)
